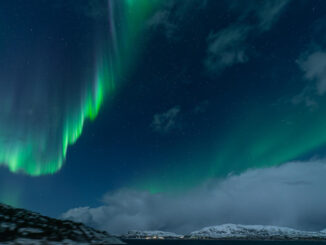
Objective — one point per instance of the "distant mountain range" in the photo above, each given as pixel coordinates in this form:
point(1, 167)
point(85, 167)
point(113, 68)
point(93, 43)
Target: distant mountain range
point(21, 227)
point(255, 232)
point(151, 235)
point(233, 232)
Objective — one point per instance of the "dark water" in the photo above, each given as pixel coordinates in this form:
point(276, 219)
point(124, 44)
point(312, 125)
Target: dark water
point(210, 242)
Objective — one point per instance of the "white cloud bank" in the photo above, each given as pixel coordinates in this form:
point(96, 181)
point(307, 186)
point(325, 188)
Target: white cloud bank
point(291, 195)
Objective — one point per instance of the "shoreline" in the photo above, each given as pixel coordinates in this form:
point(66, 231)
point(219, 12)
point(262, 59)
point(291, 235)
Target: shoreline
point(225, 239)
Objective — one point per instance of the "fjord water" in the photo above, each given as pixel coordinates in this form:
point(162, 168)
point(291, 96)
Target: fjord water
point(212, 242)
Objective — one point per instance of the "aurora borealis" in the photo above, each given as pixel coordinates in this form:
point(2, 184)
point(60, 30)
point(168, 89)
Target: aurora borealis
point(157, 98)
point(39, 151)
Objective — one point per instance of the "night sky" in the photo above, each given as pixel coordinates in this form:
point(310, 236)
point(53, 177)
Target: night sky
point(164, 114)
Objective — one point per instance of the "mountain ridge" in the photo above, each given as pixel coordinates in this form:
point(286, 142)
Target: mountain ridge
point(255, 232)
point(233, 232)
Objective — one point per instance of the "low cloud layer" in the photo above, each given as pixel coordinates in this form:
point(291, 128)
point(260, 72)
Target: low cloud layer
point(291, 195)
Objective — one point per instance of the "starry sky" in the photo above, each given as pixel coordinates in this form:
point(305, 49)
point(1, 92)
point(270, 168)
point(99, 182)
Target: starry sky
point(151, 102)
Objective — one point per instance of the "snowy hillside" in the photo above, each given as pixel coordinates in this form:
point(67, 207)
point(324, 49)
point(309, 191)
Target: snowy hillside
point(19, 226)
point(151, 235)
point(259, 232)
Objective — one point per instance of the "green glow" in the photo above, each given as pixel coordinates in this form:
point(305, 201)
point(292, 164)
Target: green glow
point(35, 153)
point(34, 156)
point(263, 135)
point(11, 197)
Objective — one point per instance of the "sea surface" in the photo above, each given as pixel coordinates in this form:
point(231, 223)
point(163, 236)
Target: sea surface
point(211, 242)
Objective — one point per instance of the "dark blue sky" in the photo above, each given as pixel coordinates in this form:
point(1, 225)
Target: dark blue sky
point(217, 88)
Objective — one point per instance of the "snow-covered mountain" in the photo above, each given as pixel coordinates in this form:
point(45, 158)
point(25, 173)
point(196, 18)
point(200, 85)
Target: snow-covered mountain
point(232, 231)
point(19, 226)
point(151, 235)
point(259, 232)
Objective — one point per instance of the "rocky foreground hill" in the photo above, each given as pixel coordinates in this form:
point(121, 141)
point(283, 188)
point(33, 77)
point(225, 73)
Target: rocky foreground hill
point(19, 226)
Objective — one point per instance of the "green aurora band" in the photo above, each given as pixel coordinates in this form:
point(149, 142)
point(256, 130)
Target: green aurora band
point(31, 151)
point(262, 135)
point(265, 134)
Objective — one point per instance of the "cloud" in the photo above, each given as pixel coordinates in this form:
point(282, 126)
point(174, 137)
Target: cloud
point(265, 13)
point(173, 13)
point(162, 20)
point(226, 48)
point(166, 121)
point(229, 46)
point(306, 97)
point(313, 64)
point(290, 195)
point(201, 107)
point(270, 13)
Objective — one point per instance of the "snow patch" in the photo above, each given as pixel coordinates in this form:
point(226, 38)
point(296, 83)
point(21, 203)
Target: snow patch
point(228, 231)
